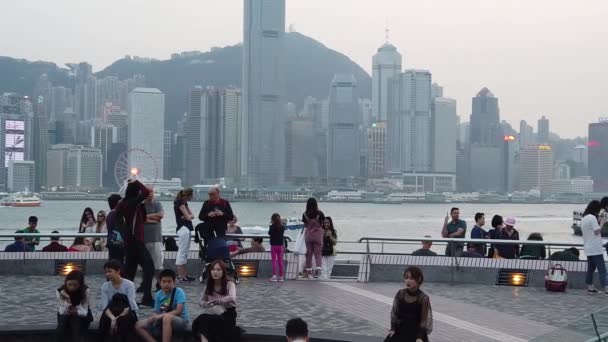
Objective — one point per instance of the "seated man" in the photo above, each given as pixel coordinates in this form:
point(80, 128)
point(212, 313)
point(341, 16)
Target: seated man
point(570, 254)
point(472, 251)
point(118, 305)
point(426, 248)
point(170, 313)
point(256, 247)
point(55, 245)
point(296, 330)
point(18, 245)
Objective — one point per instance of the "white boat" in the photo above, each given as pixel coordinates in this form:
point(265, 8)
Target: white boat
point(19, 200)
point(293, 223)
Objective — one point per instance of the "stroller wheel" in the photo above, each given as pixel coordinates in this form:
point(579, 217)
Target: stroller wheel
point(236, 279)
point(201, 279)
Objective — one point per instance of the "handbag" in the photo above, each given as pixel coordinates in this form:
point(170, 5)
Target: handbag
point(300, 247)
point(556, 279)
point(216, 310)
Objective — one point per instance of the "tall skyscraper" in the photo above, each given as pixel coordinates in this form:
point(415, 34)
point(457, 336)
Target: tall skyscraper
point(543, 130)
point(194, 137)
point(343, 143)
point(535, 168)
point(21, 176)
point(386, 64)
point(409, 135)
point(232, 111)
point(40, 139)
point(146, 131)
point(376, 147)
point(60, 102)
point(445, 135)
point(485, 119)
point(526, 134)
point(263, 91)
point(16, 141)
point(300, 158)
point(84, 168)
point(121, 122)
point(103, 137)
point(598, 155)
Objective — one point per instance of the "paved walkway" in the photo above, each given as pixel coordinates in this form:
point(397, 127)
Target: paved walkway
point(461, 313)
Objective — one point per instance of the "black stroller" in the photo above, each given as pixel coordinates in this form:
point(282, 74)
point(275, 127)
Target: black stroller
point(212, 248)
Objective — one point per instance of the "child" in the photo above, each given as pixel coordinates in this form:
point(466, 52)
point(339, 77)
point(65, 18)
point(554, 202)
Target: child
point(73, 317)
point(171, 315)
point(330, 238)
point(119, 308)
point(277, 233)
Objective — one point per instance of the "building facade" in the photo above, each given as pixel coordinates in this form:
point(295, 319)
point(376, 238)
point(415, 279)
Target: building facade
point(543, 130)
point(535, 168)
point(376, 147)
point(386, 65)
point(485, 120)
point(21, 176)
point(598, 155)
point(84, 168)
point(300, 154)
point(445, 135)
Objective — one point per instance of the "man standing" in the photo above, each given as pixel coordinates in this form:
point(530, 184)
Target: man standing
point(454, 229)
point(116, 244)
point(479, 233)
point(508, 233)
point(216, 212)
point(30, 241)
point(153, 232)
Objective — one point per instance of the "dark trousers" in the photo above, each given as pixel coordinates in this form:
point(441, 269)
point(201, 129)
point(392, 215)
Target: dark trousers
point(125, 327)
point(116, 252)
point(73, 326)
point(217, 328)
point(137, 254)
point(593, 262)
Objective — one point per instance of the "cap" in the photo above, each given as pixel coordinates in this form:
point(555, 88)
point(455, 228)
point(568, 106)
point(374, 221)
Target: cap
point(510, 221)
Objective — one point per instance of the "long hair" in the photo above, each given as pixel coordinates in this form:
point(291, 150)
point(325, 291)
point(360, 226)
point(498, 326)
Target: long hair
point(496, 221)
point(99, 224)
point(604, 202)
point(83, 218)
point(79, 295)
point(184, 193)
point(594, 207)
point(211, 282)
point(79, 240)
point(331, 225)
point(275, 220)
point(131, 192)
point(312, 207)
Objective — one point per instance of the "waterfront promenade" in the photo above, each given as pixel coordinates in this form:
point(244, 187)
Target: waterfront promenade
point(461, 312)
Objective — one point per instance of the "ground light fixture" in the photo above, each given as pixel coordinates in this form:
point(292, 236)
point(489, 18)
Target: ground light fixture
point(511, 277)
point(246, 269)
point(63, 267)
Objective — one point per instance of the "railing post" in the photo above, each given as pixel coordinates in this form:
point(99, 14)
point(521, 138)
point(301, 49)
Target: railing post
point(367, 262)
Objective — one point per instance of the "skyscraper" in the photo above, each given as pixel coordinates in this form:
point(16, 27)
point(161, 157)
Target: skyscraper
point(543, 130)
point(445, 135)
point(103, 137)
point(21, 176)
point(16, 141)
point(57, 165)
point(232, 111)
point(598, 155)
point(376, 147)
point(146, 131)
point(485, 119)
point(40, 139)
point(409, 137)
point(84, 168)
point(263, 91)
point(526, 134)
point(535, 168)
point(343, 144)
point(386, 64)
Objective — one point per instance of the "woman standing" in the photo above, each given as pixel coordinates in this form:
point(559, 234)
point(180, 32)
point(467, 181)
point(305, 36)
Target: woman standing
point(411, 316)
point(313, 235)
point(233, 243)
point(218, 323)
point(73, 315)
point(101, 227)
point(330, 238)
point(183, 218)
point(277, 238)
point(87, 221)
point(497, 224)
point(594, 250)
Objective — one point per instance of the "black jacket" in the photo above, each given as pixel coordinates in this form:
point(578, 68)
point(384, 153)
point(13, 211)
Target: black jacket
point(218, 224)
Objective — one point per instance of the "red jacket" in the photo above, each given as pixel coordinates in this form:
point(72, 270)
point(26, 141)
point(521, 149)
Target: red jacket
point(131, 208)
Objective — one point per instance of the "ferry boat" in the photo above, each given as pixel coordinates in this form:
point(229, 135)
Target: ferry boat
point(293, 223)
point(21, 200)
point(577, 216)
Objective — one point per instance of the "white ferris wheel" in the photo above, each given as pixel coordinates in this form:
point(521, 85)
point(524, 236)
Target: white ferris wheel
point(135, 162)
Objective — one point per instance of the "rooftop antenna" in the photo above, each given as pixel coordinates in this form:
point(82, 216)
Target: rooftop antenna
point(386, 31)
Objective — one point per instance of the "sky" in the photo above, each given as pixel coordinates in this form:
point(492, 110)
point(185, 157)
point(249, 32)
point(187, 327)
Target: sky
point(539, 57)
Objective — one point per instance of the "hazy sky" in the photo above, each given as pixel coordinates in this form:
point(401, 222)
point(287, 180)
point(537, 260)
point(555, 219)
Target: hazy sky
point(540, 57)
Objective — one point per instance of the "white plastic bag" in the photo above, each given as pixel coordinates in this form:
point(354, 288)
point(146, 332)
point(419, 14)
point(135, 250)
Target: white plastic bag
point(300, 247)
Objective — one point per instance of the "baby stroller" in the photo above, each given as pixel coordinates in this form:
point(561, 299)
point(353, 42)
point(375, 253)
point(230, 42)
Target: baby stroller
point(212, 248)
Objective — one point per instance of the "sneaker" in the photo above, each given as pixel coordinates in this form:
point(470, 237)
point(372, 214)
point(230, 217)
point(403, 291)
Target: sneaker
point(190, 278)
point(283, 279)
point(317, 273)
point(274, 278)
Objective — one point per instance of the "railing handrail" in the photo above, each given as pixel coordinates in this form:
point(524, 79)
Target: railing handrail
point(478, 241)
point(68, 235)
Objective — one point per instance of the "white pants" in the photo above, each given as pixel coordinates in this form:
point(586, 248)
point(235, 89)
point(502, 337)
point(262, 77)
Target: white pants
point(183, 246)
point(328, 266)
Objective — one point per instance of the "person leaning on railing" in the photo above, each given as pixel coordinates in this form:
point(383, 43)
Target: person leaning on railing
point(454, 229)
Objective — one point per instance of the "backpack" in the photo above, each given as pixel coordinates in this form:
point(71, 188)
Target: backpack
point(556, 279)
point(170, 244)
point(124, 229)
point(118, 303)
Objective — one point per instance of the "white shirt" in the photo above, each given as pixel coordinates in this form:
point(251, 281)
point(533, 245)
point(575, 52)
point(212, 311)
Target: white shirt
point(593, 242)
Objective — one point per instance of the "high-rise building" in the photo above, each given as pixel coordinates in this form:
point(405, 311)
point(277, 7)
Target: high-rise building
point(103, 137)
point(543, 130)
point(44, 90)
point(232, 111)
point(16, 141)
point(535, 168)
point(263, 91)
point(409, 135)
point(66, 127)
point(194, 137)
point(57, 165)
point(300, 158)
point(526, 135)
point(386, 64)
point(436, 90)
point(146, 131)
point(376, 147)
point(60, 102)
point(167, 146)
point(343, 143)
point(367, 115)
point(598, 155)
point(178, 157)
point(84, 168)
point(40, 140)
point(445, 135)
point(21, 176)
point(485, 120)
point(121, 122)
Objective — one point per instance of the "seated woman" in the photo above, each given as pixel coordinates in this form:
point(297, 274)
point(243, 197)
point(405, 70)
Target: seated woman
point(534, 251)
point(411, 316)
point(80, 245)
point(218, 322)
point(73, 317)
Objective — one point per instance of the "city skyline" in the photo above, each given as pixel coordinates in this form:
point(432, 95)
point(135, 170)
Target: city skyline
point(517, 39)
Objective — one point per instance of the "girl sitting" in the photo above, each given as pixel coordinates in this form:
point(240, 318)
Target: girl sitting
point(73, 316)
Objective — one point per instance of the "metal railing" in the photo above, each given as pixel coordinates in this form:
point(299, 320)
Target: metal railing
point(74, 235)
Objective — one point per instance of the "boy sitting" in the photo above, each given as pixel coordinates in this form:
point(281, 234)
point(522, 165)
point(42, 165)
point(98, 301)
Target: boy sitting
point(170, 313)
